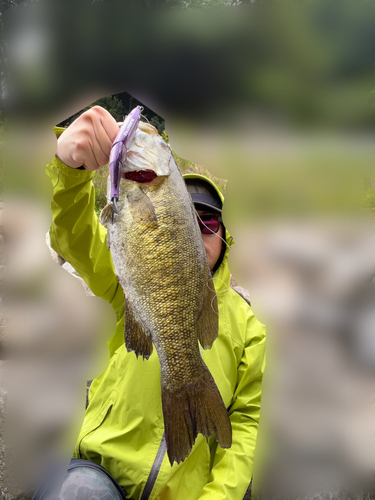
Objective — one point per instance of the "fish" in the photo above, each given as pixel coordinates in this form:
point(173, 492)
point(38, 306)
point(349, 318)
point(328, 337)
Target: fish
point(170, 299)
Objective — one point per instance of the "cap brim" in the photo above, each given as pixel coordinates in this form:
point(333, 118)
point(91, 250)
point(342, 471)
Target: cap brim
point(207, 201)
point(202, 206)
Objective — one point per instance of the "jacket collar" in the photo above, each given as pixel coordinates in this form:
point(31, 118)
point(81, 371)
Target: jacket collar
point(221, 277)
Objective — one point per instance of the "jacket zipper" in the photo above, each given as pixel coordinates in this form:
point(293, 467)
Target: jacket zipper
point(154, 469)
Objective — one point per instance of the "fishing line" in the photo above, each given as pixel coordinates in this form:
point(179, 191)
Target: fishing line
point(122, 123)
point(213, 232)
point(214, 290)
point(217, 294)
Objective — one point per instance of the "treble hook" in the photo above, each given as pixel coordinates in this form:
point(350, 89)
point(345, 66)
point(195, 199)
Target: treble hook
point(114, 208)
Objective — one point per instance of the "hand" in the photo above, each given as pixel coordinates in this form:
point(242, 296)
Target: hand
point(88, 140)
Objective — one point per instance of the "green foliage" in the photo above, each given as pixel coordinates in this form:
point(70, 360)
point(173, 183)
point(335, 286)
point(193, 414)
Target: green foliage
point(158, 123)
point(2, 139)
point(112, 104)
point(184, 4)
point(188, 167)
point(100, 185)
point(165, 137)
point(368, 198)
point(372, 99)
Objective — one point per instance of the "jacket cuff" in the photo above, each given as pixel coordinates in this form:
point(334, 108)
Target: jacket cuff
point(69, 171)
point(64, 177)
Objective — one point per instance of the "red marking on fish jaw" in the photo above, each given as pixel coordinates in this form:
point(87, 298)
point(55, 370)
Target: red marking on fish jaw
point(142, 176)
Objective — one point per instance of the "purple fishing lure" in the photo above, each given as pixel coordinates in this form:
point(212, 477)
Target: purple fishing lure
point(118, 153)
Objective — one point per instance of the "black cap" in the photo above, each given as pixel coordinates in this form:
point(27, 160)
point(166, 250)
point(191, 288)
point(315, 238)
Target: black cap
point(202, 193)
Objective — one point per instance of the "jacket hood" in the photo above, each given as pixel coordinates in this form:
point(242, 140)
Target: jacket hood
point(206, 179)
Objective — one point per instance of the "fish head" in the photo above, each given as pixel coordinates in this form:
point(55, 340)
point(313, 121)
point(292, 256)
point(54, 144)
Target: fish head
point(147, 157)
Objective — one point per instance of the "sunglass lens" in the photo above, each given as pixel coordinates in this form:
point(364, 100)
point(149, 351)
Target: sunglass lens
point(209, 226)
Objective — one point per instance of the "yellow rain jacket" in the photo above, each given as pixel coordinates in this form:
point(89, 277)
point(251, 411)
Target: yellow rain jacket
point(123, 426)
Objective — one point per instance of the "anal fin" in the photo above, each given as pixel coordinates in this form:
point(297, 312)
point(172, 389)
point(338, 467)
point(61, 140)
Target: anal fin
point(208, 320)
point(136, 339)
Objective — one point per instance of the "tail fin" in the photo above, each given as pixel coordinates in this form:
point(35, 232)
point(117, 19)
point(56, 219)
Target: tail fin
point(191, 409)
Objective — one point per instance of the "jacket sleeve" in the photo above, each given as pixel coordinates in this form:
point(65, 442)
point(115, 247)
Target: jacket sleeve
point(77, 235)
point(232, 468)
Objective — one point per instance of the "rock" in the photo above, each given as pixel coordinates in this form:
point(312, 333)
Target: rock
point(241, 291)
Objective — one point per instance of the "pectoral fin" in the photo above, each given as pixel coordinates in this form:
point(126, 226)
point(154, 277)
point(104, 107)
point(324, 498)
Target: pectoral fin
point(141, 207)
point(136, 339)
point(208, 320)
point(104, 218)
point(106, 215)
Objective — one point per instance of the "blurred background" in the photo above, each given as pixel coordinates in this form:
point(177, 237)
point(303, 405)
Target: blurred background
point(275, 98)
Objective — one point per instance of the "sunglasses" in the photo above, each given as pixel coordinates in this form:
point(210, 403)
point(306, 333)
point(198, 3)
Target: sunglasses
point(209, 224)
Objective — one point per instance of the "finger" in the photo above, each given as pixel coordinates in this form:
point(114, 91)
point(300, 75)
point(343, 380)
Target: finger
point(101, 158)
point(105, 130)
point(103, 140)
point(108, 123)
point(90, 162)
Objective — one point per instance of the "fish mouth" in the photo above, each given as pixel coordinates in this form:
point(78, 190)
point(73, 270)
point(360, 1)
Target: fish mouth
point(142, 176)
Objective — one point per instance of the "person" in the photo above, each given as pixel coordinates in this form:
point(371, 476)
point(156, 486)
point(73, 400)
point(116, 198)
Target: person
point(122, 437)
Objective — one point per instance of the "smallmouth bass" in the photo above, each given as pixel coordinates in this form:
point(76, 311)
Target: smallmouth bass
point(170, 300)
